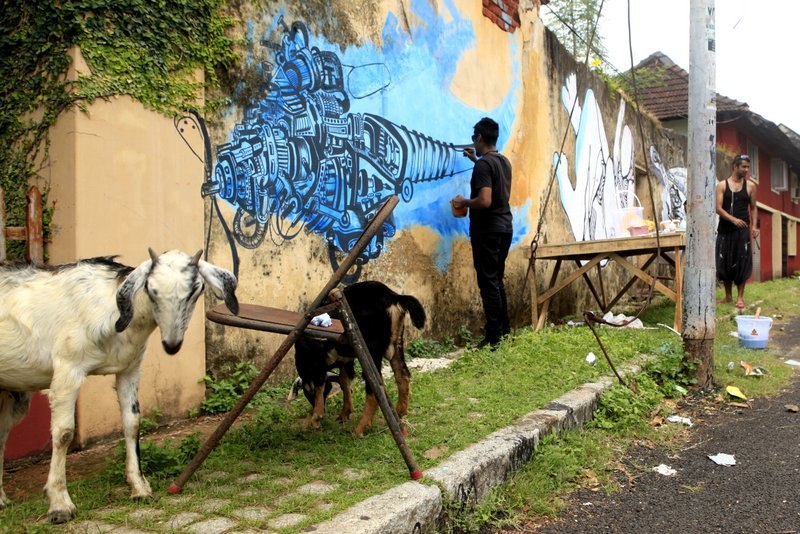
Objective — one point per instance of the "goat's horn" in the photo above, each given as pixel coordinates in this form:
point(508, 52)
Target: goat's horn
point(153, 256)
point(196, 257)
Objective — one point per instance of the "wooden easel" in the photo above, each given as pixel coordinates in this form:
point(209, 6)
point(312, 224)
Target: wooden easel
point(293, 324)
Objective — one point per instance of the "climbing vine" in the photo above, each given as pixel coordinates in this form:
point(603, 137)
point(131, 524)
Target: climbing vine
point(147, 49)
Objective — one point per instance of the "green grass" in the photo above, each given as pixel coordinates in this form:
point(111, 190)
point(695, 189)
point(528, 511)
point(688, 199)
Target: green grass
point(451, 409)
point(589, 457)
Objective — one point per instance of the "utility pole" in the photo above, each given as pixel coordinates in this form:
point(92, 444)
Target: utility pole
point(699, 304)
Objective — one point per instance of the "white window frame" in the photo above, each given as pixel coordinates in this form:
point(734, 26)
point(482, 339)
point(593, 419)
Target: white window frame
point(752, 151)
point(794, 183)
point(779, 175)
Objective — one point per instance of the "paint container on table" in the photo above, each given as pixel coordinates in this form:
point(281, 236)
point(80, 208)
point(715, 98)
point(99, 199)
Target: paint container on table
point(622, 219)
point(458, 212)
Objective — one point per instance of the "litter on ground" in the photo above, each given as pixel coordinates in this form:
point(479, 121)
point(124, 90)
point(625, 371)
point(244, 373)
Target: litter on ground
point(622, 318)
point(733, 391)
point(723, 459)
point(749, 370)
point(665, 470)
point(679, 419)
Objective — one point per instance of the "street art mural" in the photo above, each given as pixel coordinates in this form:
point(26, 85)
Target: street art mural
point(337, 132)
point(673, 188)
point(604, 180)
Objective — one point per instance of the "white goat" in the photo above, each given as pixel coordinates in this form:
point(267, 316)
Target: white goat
point(62, 323)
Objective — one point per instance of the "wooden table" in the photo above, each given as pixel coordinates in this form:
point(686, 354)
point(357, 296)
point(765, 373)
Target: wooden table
point(589, 254)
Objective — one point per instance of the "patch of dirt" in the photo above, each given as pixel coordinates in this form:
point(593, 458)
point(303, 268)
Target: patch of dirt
point(25, 479)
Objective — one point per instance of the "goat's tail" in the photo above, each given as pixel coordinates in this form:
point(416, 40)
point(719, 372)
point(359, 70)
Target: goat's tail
point(414, 309)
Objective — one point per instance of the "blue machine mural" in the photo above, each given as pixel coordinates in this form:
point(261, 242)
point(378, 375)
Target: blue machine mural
point(302, 158)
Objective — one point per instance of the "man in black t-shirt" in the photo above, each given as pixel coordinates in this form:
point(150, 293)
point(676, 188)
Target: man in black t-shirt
point(490, 226)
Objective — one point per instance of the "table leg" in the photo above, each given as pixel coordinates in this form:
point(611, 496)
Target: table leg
point(534, 292)
point(546, 300)
point(678, 290)
point(599, 298)
point(628, 285)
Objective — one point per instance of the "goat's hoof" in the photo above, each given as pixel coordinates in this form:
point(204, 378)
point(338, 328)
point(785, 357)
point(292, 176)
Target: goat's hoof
point(343, 417)
point(60, 516)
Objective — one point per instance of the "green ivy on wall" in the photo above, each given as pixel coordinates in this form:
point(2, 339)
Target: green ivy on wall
point(147, 49)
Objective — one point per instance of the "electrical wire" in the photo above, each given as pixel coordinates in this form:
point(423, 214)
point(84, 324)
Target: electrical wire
point(590, 318)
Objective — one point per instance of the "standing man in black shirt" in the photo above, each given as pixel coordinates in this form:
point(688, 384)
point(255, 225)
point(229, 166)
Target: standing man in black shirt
point(738, 223)
point(490, 226)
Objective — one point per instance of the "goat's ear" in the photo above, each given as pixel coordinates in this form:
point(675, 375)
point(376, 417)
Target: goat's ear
point(127, 290)
point(223, 281)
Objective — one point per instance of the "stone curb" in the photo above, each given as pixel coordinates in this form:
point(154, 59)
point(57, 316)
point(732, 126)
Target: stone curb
point(469, 475)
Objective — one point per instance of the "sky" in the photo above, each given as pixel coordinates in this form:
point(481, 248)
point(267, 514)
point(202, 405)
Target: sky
point(755, 52)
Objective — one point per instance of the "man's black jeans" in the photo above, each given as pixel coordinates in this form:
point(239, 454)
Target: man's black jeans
point(489, 253)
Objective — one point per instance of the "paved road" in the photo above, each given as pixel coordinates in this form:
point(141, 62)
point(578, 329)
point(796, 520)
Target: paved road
point(760, 494)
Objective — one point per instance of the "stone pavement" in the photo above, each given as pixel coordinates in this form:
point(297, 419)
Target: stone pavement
point(466, 476)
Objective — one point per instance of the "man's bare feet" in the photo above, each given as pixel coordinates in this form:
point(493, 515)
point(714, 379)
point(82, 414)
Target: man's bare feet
point(740, 304)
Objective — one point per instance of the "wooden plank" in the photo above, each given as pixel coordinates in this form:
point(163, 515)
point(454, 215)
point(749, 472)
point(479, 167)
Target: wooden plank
point(679, 289)
point(628, 285)
point(274, 320)
point(626, 246)
point(2, 225)
point(34, 230)
point(534, 291)
point(646, 278)
point(15, 233)
point(574, 275)
point(546, 302)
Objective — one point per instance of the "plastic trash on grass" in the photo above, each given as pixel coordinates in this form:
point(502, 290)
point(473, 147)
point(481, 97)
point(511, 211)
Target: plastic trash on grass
point(591, 359)
point(733, 391)
point(749, 370)
point(679, 419)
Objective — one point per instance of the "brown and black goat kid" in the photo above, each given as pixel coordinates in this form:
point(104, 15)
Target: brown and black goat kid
point(380, 314)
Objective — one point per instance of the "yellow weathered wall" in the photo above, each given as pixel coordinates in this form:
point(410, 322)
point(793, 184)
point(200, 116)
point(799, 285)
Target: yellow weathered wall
point(123, 180)
point(290, 273)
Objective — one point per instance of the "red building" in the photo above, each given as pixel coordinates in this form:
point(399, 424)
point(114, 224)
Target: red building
point(774, 152)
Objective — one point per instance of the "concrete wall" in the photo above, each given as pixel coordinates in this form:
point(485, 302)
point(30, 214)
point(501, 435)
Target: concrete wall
point(122, 180)
point(335, 106)
point(340, 104)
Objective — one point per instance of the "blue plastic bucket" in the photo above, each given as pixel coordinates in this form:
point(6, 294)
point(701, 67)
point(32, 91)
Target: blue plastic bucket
point(753, 332)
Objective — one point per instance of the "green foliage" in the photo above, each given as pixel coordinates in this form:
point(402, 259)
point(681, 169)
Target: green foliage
point(466, 336)
point(429, 348)
point(631, 84)
point(622, 408)
point(146, 49)
point(573, 22)
point(158, 461)
point(150, 424)
point(226, 391)
point(672, 369)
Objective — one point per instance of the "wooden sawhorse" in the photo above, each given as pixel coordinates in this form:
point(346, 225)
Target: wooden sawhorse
point(588, 255)
point(293, 325)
